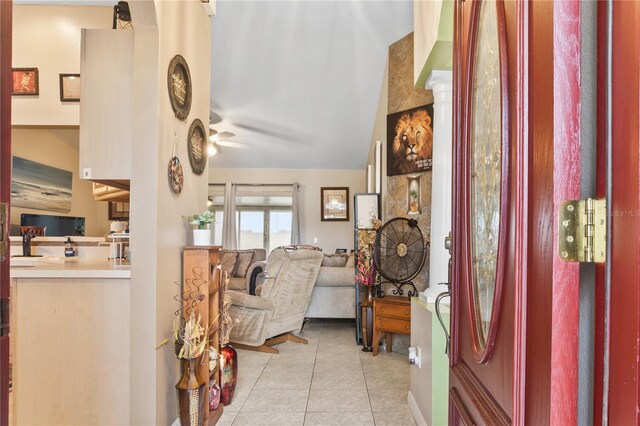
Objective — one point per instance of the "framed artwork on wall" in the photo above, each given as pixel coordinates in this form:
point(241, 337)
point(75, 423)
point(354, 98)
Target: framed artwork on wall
point(39, 186)
point(118, 210)
point(25, 82)
point(410, 141)
point(69, 87)
point(334, 204)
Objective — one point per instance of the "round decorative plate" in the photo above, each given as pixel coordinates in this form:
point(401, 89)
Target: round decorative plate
point(176, 177)
point(179, 84)
point(197, 146)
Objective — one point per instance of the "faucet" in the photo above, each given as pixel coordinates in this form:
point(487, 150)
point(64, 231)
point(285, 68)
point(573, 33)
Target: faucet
point(26, 242)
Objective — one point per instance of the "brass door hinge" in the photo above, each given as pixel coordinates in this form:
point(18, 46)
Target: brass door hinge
point(582, 231)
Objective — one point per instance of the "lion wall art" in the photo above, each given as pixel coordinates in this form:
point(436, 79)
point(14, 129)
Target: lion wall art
point(410, 140)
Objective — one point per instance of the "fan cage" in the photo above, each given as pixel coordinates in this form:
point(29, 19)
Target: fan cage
point(397, 236)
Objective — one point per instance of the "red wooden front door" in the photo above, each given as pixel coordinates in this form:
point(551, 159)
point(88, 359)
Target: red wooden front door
point(514, 344)
point(5, 194)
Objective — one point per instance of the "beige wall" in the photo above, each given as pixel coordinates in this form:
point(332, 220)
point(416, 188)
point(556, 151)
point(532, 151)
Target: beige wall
point(48, 38)
point(330, 235)
point(426, 19)
point(59, 148)
point(159, 231)
point(380, 134)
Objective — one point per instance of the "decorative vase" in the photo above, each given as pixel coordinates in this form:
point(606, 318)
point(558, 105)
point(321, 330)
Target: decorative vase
point(367, 320)
point(214, 395)
point(228, 373)
point(370, 294)
point(202, 237)
point(191, 394)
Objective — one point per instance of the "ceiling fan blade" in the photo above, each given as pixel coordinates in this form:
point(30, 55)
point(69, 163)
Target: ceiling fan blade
point(230, 144)
point(226, 135)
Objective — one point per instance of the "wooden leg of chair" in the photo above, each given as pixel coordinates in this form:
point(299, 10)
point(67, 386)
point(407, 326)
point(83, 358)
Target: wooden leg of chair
point(263, 348)
point(296, 339)
point(286, 337)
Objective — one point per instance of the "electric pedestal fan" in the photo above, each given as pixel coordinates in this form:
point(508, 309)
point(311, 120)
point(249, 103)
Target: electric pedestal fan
point(399, 254)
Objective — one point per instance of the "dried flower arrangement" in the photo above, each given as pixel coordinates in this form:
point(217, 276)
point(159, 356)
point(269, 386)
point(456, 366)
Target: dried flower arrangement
point(190, 336)
point(365, 269)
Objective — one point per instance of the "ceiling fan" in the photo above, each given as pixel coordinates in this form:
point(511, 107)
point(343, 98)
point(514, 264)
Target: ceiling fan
point(221, 139)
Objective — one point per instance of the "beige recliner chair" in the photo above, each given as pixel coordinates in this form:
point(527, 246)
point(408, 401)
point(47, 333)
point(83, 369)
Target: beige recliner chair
point(269, 318)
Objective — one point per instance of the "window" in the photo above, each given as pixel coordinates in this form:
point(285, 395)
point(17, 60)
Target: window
point(263, 216)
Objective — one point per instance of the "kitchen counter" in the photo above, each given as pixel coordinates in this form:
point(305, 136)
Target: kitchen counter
point(73, 267)
point(70, 341)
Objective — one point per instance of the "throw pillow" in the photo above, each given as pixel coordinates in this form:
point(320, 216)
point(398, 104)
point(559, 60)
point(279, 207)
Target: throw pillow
point(334, 260)
point(228, 262)
point(245, 258)
point(351, 260)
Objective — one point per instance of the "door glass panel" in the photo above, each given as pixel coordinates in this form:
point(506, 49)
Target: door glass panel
point(279, 229)
point(486, 164)
point(251, 229)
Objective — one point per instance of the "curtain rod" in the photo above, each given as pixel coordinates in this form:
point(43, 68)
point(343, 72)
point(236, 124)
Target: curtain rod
point(253, 184)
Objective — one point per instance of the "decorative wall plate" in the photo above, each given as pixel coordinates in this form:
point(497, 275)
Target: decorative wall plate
point(179, 85)
point(197, 146)
point(176, 176)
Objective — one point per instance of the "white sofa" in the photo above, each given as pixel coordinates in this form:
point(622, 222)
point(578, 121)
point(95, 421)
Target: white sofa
point(334, 293)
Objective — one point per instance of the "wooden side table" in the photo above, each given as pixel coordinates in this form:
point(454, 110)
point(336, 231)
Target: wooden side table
point(391, 314)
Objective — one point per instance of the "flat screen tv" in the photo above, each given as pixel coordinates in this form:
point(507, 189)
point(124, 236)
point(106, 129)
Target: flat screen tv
point(57, 226)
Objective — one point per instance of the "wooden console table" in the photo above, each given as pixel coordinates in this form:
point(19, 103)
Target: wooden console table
point(391, 314)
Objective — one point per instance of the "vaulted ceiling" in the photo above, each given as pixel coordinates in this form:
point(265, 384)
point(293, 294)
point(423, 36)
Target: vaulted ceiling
point(299, 81)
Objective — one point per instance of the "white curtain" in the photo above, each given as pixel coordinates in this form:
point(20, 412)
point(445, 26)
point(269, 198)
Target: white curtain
point(229, 234)
point(295, 214)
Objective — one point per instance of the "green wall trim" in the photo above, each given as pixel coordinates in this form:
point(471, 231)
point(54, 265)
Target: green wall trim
point(441, 56)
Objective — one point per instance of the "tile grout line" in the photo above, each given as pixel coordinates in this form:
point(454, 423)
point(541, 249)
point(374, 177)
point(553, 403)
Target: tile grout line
point(315, 358)
point(366, 385)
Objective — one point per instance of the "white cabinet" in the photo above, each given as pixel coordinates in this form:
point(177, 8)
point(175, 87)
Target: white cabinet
point(106, 102)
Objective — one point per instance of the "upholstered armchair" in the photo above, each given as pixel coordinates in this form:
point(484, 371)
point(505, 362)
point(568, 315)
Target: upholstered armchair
point(280, 306)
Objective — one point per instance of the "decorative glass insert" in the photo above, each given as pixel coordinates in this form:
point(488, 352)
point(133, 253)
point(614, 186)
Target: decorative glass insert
point(485, 164)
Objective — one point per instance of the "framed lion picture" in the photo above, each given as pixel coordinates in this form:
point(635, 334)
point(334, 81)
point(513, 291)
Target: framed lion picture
point(410, 141)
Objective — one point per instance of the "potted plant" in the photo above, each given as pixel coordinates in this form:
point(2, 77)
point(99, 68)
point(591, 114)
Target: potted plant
point(413, 201)
point(202, 233)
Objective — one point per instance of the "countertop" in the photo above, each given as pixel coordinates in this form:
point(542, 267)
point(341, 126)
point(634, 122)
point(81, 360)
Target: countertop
point(74, 267)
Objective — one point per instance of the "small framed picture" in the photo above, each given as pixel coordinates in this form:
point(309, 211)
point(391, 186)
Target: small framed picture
point(334, 204)
point(69, 87)
point(118, 210)
point(25, 82)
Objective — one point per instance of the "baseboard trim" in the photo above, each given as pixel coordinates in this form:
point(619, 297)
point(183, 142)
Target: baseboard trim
point(415, 411)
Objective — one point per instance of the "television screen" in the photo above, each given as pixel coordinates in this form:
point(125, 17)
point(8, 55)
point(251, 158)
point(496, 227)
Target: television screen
point(57, 226)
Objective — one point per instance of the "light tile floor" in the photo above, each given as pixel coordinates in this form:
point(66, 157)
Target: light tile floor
point(330, 381)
